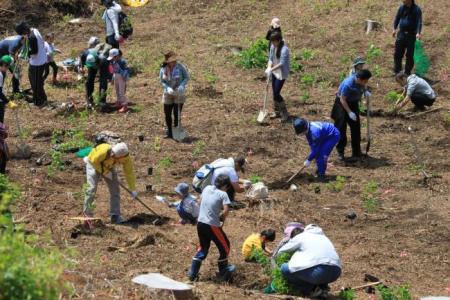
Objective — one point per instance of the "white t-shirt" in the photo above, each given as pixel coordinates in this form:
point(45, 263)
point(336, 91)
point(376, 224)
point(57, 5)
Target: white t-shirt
point(40, 58)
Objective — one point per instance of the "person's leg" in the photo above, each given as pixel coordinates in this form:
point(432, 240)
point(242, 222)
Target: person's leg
point(46, 71)
point(90, 81)
point(420, 101)
point(15, 81)
point(223, 245)
point(55, 70)
point(104, 76)
point(400, 49)
point(355, 131)
point(110, 39)
point(320, 275)
point(168, 108)
point(114, 192)
point(2, 162)
point(296, 281)
point(276, 105)
point(32, 76)
point(2, 112)
point(410, 46)
point(338, 114)
point(92, 181)
point(122, 89)
point(277, 87)
point(177, 108)
point(40, 90)
point(204, 236)
point(324, 153)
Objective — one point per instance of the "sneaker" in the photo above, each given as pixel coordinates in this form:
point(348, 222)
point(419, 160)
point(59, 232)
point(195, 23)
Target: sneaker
point(117, 219)
point(124, 109)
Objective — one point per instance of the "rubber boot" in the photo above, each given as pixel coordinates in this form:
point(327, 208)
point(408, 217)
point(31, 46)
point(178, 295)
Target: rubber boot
point(195, 268)
point(284, 112)
point(225, 271)
point(276, 111)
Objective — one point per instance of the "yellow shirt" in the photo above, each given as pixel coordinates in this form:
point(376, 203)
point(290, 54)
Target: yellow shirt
point(100, 158)
point(254, 240)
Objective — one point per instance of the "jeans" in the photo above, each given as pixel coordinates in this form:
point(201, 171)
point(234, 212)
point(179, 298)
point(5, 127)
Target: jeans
point(277, 85)
point(110, 39)
point(306, 280)
point(405, 43)
point(420, 100)
point(324, 152)
point(341, 119)
point(54, 67)
point(93, 178)
point(206, 234)
point(36, 77)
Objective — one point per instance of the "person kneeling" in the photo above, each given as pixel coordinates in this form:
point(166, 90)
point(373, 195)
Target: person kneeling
point(257, 241)
point(416, 90)
point(188, 208)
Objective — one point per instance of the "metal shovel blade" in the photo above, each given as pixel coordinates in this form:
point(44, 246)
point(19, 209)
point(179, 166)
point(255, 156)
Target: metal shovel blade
point(262, 116)
point(179, 134)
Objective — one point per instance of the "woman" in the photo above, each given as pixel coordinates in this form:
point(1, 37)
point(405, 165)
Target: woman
point(111, 18)
point(174, 78)
point(278, 69)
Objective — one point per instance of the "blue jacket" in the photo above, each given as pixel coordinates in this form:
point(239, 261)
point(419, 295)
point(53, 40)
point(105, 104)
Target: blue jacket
point(409, 19)
point(284, 60)
point(121, 67)
point(10, 45)
point(178, 78)
point(318, 134)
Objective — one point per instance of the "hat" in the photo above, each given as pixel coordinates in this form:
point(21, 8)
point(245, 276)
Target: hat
point(300, 126)
point(93, 41)
point(241, 161)
point(358, 61)
point(291, 226)
point(120, 149)
point(275, 23)
point(113, 53)
point(182, 189)
point(170, 57)
point(22, 28)
point(91, 60)
point(7, 59)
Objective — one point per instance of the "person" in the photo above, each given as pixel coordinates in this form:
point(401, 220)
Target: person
point(174, 78)
point(278, 70)
point(100, 163)
point(4, 153)
point(38, 59)
point(314, 264)
point(11, 46)
point(417, 90)
point(407, 28)
point(358, 64)
point(94, 58)
point(290, 230)
point(322, 137)
point(346, 111)
point(121, 76)
point(111, 18)
point(51, 51)
point(257, 241)
point(4, 101)
point(188, 208)
point(214, 199)
point(230, 167)
point(275, 26)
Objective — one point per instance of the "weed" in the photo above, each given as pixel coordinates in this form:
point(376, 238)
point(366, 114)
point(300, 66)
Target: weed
point(26, 132)
point(254, 178)
point(306, 54)
point(255, 56)
point(372, 53)
point(347, 294)
point(337, 185)
point(157, 144)
point(258, 256)
point(369, 196)
point(392, 98)
point(165, 163)
point(136, 108)
point(295, 65)
point(305, 97)
point(376, 71)
point(394, 293)
point(199, 147)
point(81, 194)
point(308, 80)
point(211, 78)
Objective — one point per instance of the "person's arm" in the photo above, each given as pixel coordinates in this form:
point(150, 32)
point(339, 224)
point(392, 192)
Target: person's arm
point(284, 59)
point(114, 18)
point(164, 83)
point(419, 23)
point(345, 104)
point(402, 104)
point(185, 75)
point(237, 187)
point(397, 21)
point(224, 215)
point(290, 246)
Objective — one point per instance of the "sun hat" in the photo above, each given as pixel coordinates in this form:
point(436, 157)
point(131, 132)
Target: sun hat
point(170, 57)
point(291, 226)
point(182, 189)
point(300, 125)
point(113, 53)
point(358, 61)
point(275, 23)
point(120, 149)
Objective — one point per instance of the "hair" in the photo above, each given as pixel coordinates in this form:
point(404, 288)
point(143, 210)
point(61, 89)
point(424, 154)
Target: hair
point(276, 36)
point(240, 161)
point(401, 76)
point(222, 181)
point(108, 3)
point(363, 74)
point(296, 231)
point(22, 28)
point(3, 63)
point(269, 234)
point(49, 35)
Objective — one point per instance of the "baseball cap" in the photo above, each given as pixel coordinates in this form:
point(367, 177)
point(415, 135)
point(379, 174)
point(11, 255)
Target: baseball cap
point(113, 53)
point(182, 189)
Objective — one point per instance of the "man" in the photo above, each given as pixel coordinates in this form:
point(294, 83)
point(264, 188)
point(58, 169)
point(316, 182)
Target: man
point(100, 163)
point(214, 199)
point(408, 21)
point(10, 46)
point(230, 167)
point(38, 59)
point(111, 18)
point(95, 60)
point(346, 111)
point(322, 137)
point(416, 90)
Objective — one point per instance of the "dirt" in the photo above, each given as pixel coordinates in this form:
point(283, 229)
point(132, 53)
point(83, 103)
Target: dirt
point(405, 241)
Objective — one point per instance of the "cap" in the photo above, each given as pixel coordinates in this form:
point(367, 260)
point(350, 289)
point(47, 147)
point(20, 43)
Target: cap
point(291, 226)
point(358, 61)
point(113, 53)
point(93, 41)
point(300, 125)
point(275, 23)
point(91, 60)
point(182, 189)
point(120, 149)
point(7, 59)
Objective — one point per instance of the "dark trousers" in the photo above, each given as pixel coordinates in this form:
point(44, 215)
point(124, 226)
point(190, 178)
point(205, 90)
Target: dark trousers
point(231, 193)
point(2, 111)
point(103, 81)
point(306, 280)
point(405, 43)
point(277, 86)
point(54, 67)
point(206, 234)
point(14, 80)
point(170, 109)
point(420, 100)
point(341, 120)
point(90, 82)
point(110, 39)
point(36, 77)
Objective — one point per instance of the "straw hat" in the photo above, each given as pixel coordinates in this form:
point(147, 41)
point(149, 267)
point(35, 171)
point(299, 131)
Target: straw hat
point(170, 57)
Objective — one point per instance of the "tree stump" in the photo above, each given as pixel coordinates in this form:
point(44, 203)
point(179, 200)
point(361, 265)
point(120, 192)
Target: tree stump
point(372, 25)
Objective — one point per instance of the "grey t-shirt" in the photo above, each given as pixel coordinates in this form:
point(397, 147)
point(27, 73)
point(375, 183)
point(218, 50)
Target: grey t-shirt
point(212, 203)
point(417, 85)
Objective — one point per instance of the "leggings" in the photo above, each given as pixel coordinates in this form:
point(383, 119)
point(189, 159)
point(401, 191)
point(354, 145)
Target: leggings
point(47, 69)
point(168, 108)
point(206, 234)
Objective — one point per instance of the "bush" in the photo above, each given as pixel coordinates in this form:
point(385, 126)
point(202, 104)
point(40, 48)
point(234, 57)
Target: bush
point(255, 56)
point(27, 270)
point(394, 293)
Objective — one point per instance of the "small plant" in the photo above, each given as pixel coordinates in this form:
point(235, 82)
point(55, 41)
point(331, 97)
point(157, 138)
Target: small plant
point(394, 293)
point(255, 56)
point(347, 294)
point(258, 256)
point(157, 144)
point(211, 78)
point(308, 80)
point(295, 65)
point(376, 71)
point(254, 178)
point(279, 283)
point(305, 97)
point(369, 196)
point(447, 119)
point(306, 54)
point(81, 194)
point(373, 52)
point(393, 97)
point(199, 147)
point(338, 185)
point(165, 163)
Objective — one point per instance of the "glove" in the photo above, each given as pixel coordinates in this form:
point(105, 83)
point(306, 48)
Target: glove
point(268, 71)
point(12, 105)
point(180, 89)
point(170, 91)
point(117, 37)
point(367, 94)
point(307, 163)
point(109, 176)
point(134, 194)
point(352, 116)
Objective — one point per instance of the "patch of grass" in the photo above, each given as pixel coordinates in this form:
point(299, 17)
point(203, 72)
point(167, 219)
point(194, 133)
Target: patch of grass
point(306, 54)
point(394, 293)
point(338, 185)
point(211, 78)
point(372, 53)
point(347, 294)
point(254, 178)
point(376, 71)
point(295, 65)
point(369, 197)
point(305, 98)
point(165, 163)
point(308, 80)
point(255, 56)
point(139, 61)
point(199, 148)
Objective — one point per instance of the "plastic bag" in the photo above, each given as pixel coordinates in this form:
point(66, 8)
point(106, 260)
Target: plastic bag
point(421, 60)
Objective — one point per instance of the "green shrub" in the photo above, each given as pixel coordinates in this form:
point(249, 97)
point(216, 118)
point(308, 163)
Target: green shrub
point(261, 258)
point(372, 53)
point(279, 283)
point(255, 56)
point(394, 293)
point(254, 178)
point(347, 294)
point(393, 97)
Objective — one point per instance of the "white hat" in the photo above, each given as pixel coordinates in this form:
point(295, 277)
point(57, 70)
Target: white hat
point(93, 41)
point(120, 150)
point(113, 53)
point(275, 23)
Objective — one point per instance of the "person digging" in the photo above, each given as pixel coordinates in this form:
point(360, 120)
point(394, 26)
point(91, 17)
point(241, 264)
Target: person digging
point(416, 90)
point(100, 163)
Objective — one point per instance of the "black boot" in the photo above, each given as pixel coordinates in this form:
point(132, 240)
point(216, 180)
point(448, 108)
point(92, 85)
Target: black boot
point(276, 111)
point(284, 112)
point(169, 134)
point(225, 271)
point(195, 268)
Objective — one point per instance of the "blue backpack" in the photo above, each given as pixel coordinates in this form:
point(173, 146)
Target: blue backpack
point(202, 178)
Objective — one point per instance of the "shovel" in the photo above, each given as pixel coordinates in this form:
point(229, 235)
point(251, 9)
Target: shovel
point(368, 124)
point(178, 133)
point(295, 175)
point(263, 113)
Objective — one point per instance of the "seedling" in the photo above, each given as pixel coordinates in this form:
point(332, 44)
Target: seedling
point(305, 98)
point(255, 56)
point(165, 163)
point(254, 178)
point(369, 196)
point(394, 293)
point(295, 65)
point(199, 147)
point(347, 294)
point(306, 54)
point(308, 80)
point(211, 78)
point(393, 97)
point(338, 185)
point(372, 53)
point(258, 256)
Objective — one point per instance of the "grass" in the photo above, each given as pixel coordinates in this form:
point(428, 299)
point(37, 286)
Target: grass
point(338, 185)
point(211, 78)
point(255, 56)
point(308, 80)
point(199, 148)
point(373, 53)
point(369, 196)
point(306, 54)
point(165, 163)
point(394, 293)
point(347, 294)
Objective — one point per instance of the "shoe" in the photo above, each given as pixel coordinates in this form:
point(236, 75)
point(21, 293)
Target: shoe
point(320, 293)
point(117, 219)
point(226, 272)
point(321, 178)
point(124, 109)
point(168, 134)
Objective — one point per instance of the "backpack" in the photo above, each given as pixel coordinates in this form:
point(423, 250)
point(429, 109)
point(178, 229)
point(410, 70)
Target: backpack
point(202, 177)
point(125, 26)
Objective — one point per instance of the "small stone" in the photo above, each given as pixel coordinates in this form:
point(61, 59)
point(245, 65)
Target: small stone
point(293, 188)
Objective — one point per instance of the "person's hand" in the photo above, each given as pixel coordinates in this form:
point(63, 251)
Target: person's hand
point(180, 89)
point(307, 163)
point(394, 33)
point(109, 176)
point(12, 105)
point(117, 37)
point(170, 91)
point(134, 194)
point(367, 94)
point(352, 116)
point(268, 71)
point(418, 36)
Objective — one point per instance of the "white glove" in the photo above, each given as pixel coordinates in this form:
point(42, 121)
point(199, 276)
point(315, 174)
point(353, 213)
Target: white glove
point(109, 176)
point(117, 37)
point(268, 71)
point(134, 194)
point(170, 91)
point(367, 94)
point(352, 116)
point(307, 163)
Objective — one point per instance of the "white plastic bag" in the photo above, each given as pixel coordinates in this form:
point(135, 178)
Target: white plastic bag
point(258, 191)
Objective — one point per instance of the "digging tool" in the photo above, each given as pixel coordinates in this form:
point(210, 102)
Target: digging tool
point(361, 287)
point(295, 175)
point(178, 133)
point(368, 124)
point(263, 113)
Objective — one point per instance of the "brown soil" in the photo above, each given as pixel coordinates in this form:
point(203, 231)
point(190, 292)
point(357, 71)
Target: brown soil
point(406, 240)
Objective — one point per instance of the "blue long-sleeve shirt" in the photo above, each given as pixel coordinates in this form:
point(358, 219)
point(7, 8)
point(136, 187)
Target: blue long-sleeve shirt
point(284, 60)
point(179, 77)
point(409, 19)
point(318, 133)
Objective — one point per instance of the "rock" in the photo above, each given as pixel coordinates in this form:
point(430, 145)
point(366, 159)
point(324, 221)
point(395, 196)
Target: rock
point(21, 151)
point(293, 188)
point(351, 215)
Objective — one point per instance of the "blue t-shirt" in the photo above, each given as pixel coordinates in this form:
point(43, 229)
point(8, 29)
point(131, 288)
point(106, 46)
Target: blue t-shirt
point(350, 89)
point(212, 204)
point(10, 45)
